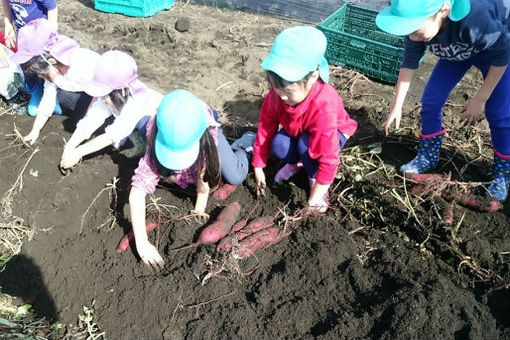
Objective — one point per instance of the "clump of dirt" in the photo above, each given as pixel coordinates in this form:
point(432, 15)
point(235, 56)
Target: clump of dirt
point(380, 264)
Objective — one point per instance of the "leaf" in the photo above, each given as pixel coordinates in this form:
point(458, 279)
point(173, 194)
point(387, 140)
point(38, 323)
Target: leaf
point(7, 323)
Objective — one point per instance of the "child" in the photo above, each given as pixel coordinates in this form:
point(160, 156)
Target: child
point(117, 92)
point(61, 64)
point(185, 146)
point(462, 33)
point(315, 125)
point(17, 14)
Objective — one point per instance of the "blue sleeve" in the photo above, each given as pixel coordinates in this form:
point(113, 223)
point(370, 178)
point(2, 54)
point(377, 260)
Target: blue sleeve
point(486, 32)
point(48, 4)
point(413, 52)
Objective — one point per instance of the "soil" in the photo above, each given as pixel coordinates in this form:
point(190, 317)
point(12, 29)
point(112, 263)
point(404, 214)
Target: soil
point(379, 265)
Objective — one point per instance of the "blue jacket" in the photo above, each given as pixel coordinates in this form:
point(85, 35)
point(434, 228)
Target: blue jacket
point(484, 29)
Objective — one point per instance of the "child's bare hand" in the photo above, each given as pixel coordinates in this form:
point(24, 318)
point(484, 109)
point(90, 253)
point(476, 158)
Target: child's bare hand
point(31, 137)
point(260, 181)
point(394, 116)
point(473, 111)
point(150, 255)
point(200, 216)
point(69, 159)
point(10, 35)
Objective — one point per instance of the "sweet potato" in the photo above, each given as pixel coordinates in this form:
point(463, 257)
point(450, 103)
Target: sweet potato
point(238, 226)
point(224, 192)
point(129, 239)
point(260, 240)
point(470, 200)
point(420, 178)
point(222, 226)
point(254, 226)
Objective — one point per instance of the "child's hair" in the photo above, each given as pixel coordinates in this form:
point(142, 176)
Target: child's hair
point(119, 98)
point(279, 83)
point(209, 159)
point(40, 65)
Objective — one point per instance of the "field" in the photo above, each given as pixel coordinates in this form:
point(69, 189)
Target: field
point(380, 264)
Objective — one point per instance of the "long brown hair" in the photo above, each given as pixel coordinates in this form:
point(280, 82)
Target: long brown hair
point(209, 160)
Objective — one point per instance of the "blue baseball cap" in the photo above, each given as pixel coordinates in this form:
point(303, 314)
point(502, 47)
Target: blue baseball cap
point(297, 51)
point(404, 17)
point(181, 120)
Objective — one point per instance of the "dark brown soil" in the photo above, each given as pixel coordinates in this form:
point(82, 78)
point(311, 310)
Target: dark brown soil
point(368, 269)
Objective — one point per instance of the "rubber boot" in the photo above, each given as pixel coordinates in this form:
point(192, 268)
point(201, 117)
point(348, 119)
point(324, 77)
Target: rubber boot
point(287, 171)
point(428, 154)
point(500, 177)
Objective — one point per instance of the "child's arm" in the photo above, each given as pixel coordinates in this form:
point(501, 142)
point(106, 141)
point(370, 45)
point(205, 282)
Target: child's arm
point(9, 29)
point(53, 15)
point(203, 191)
point(473, 111)
point(44, 111)
point(260, 181)
point(147, 252)
point(404, 81)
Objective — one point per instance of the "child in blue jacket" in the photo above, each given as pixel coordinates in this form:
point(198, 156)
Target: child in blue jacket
point(462, 33)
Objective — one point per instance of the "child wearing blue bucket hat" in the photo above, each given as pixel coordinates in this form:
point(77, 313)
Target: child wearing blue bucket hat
point(185, 146)
point(462, 33)
point(315, 124)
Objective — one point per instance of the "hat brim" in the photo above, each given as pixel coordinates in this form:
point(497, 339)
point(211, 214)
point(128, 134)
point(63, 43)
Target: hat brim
point(176, 160)
point(97, 90)
point(287, 72)
point(20, 57)
point(460, 9)
point(396, 25)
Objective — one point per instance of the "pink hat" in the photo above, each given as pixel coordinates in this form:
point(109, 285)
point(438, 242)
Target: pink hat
point(61, 48)
point(115, 70)
point(33, 39)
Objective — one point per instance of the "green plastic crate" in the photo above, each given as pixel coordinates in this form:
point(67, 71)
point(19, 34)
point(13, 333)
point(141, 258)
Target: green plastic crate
point(355, 42)
point(134, 8)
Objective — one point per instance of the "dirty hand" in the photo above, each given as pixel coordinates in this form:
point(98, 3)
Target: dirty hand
point(473, 111)
point(150, 255)
point(394, 116)
point(69, 159)
point(31, 137)
point(200, 216)
point(260, 181)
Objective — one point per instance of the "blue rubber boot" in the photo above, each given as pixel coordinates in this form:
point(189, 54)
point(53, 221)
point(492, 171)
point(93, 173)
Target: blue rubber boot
point(36, 90)
point(500, 178)
point(428, 154)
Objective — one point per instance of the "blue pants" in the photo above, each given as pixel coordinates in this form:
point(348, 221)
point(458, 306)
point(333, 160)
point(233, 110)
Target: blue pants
point(234, 164)
point(35, 86)
point(445, 76)
point(292, 150)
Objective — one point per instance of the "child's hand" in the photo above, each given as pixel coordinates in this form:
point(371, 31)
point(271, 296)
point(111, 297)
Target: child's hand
point(69, 159)
point(150, 255)
point(394, 116)
point(10, 34)
point(31, 137)
point(201, 216)
point(473, 111)
point(260, 181)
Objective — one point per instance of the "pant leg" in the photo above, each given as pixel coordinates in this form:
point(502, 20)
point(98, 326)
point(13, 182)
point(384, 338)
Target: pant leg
point(234, 165)
point(497, 108)
point(444, 77)
point(311, 165)
point(284, 147)
point(141, 126)
point(73, 104)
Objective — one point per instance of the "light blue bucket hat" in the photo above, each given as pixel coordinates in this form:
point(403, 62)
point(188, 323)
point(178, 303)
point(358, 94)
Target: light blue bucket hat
point(404, 17)
point(181, 121)
point(297, 51)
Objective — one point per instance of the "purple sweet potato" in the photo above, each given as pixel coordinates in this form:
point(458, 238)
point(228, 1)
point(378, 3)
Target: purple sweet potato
point(222, 226)
point(259, 240)
point(254, 226)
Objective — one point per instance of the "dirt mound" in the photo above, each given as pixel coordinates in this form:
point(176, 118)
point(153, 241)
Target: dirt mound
point(381, 264)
